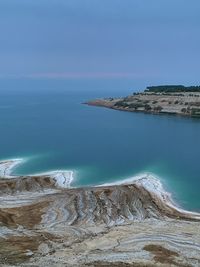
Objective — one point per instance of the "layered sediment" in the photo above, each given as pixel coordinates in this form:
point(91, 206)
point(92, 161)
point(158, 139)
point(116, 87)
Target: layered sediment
point(129, 224)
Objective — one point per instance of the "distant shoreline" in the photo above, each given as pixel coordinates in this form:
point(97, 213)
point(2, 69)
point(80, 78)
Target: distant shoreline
point(184, 104)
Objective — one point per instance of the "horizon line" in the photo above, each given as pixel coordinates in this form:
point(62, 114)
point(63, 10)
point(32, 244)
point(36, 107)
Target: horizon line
point(73, 75)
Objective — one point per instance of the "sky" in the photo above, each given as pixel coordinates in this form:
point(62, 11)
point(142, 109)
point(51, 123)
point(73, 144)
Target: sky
point(157, 40)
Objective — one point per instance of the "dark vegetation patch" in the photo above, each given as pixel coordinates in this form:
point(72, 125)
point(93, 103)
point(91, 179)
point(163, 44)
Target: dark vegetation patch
point(121, 103)
point(157, 109)
point(172, 88)
point(195, 112)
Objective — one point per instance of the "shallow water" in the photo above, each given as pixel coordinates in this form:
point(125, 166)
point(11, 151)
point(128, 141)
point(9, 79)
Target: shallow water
point(46, 122)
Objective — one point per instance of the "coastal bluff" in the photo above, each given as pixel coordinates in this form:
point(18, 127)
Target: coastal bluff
point(169, 99)
point(134, 223)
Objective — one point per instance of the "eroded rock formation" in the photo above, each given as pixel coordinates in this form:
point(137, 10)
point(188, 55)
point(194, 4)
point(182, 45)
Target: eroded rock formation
point(119, 225)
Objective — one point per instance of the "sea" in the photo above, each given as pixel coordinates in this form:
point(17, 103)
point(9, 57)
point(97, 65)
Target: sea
point(46, 122)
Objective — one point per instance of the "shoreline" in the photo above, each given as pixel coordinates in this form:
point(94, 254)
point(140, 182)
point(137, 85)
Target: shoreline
point(55, 224)
point(63, 179)
point(185, 104)
point(153, 185)
point(164, 114)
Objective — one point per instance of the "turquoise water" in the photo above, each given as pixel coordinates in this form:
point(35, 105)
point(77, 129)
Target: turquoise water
point(46, 122)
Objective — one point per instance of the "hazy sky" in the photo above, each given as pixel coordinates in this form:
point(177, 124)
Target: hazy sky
point(156, 40)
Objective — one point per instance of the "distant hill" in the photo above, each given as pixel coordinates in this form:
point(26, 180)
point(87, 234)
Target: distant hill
point(172, 88)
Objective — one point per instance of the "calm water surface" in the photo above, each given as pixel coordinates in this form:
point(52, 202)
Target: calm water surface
point(46, 122)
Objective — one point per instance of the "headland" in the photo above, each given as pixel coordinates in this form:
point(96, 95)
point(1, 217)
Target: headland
point(165, 99)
